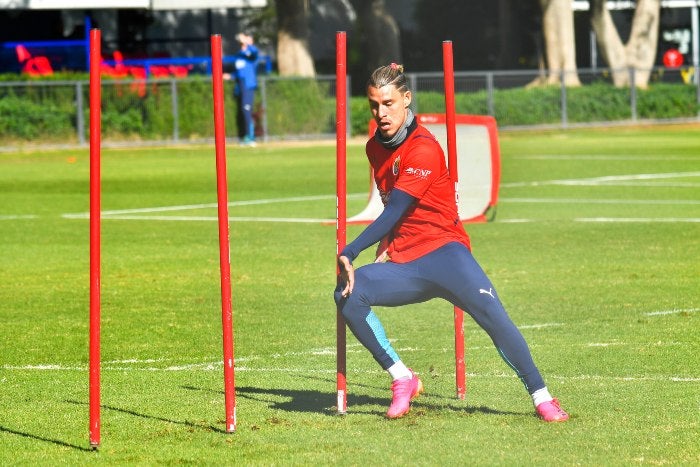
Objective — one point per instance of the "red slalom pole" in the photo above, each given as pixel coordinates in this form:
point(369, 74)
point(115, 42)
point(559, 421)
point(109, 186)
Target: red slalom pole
point(95, 129)
point(341, 206)
point(450, 119)
point(224, 253)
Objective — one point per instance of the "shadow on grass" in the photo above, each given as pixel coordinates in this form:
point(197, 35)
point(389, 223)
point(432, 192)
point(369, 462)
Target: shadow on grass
point(57, 442)
point(454, 405)
point(155, 417)
point(309, 400)
point(297, 400)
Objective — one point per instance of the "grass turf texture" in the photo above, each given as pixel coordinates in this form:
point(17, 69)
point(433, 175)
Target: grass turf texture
point(589, 295)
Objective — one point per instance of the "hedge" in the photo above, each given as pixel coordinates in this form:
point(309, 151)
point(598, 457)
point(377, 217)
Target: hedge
point(47, 110)
point(598, 102)
point(144, 110)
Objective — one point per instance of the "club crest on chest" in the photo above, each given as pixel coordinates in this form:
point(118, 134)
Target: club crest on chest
point(395, 167)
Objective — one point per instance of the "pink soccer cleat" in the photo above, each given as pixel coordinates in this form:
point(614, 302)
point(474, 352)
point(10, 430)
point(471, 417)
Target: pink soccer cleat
point(404, 390)
point(551, 412)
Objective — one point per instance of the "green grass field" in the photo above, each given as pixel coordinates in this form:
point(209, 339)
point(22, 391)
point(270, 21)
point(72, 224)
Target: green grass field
point(595, 251)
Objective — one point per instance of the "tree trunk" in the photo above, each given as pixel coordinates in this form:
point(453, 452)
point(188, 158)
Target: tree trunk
point(642, 44)
point(293, 55)
point(380, 34)
point(611, 47)
point(560, 44)
point(639, 52)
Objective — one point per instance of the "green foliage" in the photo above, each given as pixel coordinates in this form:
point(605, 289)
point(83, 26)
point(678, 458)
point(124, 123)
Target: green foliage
point(33, 111)
point(664, 100)
point(597, 102)
point(196, 108)
point(22, 119)
point(359, 115)
point(144, 110)
point(300, 106)
point(46, 109)
point(57, 76)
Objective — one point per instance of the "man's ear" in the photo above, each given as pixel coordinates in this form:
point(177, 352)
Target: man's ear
point(407, 99)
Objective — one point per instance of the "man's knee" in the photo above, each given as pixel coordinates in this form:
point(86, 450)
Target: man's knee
point(351, 307)
point(338, 297)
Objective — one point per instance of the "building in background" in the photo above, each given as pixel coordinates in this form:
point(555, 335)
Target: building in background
point(487, 34)
point(57, 29)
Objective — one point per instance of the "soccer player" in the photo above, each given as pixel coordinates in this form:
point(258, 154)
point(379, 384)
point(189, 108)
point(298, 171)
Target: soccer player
point(246, 84)
point(424, 251)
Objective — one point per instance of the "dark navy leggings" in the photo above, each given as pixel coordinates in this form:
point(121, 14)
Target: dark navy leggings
point(450, 272)
point(244, 117)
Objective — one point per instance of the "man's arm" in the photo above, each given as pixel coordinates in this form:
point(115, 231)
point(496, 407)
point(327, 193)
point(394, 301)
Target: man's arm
point(398, 204)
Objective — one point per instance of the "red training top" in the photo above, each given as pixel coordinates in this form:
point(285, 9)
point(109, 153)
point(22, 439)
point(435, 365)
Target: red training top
point(418, 168)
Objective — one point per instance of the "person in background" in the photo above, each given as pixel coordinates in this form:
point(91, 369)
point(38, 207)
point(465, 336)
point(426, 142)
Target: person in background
point(245, 74)
point(424, 251)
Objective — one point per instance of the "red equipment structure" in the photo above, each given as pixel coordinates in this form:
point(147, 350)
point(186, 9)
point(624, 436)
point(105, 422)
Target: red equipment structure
point(95, 214)
point(95, 239)
point(448, 72)
point(33, 66)
point(341, 204)
point(224, 249)
point(341, 211)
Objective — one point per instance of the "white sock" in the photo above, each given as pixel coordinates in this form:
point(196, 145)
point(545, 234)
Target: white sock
point(540, 396)
point(398, 370)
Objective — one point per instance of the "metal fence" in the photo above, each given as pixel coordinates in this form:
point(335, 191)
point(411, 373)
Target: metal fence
point(180, 110)
point(515, 101)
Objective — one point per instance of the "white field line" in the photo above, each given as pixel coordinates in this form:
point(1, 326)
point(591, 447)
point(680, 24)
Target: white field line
point(663, 379)
point(127, 213)
point(217, 365)
point(645, 179)
point(538, 326)
point(213, 364)
point(610, 180)
point(302, 220)
point(611, 219)
point(638, 219)
point(644, 202)
point(674, 379)
point(672, 312)
point(134, 360)
point(318, 352)
point(604, 157)
point(311, 220)
point(11, 217)
point(186, 207)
